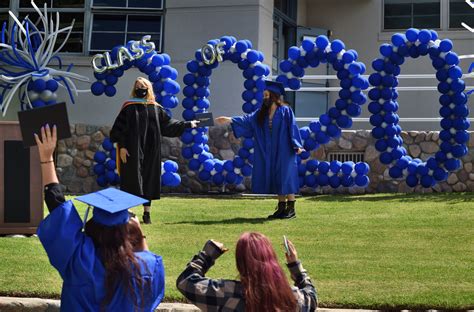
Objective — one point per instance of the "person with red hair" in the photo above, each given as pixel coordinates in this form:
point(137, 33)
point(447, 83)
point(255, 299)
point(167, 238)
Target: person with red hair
point(263, 285)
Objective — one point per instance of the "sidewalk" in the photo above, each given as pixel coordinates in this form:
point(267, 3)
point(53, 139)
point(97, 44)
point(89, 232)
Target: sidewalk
point(15, 304)
point(10, 304)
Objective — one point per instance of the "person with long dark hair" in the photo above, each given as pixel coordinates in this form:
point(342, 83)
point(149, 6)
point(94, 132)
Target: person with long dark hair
point(138, 130)
point(262, 284)
point(106, 267)
point(277, 141)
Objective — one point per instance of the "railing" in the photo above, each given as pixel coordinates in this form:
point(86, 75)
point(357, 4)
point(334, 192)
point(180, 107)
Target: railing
point(406, 76)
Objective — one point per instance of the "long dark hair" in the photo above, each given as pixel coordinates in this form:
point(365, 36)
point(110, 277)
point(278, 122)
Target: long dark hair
point(264, 282)
point(263, 112)
point(116, 246)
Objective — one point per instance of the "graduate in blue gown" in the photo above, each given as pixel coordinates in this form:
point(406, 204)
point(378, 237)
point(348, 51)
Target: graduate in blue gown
point(106, 267)
point(277, 141)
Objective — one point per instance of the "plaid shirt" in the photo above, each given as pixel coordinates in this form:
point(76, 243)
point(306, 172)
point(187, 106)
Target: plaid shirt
point(227, 295)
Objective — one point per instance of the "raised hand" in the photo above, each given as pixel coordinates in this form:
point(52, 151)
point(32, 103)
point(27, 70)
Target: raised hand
point(292, 257)
point(47, 144)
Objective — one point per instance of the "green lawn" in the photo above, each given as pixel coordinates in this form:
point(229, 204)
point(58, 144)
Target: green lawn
point(372, 251)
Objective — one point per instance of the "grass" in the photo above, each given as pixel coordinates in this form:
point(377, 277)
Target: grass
point(382, 251)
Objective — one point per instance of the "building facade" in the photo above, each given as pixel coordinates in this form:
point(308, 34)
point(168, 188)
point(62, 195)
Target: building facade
point(180, 27)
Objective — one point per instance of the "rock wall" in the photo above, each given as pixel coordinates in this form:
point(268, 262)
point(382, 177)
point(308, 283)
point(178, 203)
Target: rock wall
point(75, 160)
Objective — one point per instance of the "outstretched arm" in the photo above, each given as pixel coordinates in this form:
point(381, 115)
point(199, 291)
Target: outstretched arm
point(242, 126)
point(53, 194)
point(306, 292)
point(172, 127)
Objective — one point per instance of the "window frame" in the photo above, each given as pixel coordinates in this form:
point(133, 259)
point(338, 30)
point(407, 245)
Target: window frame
point(448, 26)
point(455, 33)
point(127, 7)
point(411, 16)
point(89, 10)
point(91, 51)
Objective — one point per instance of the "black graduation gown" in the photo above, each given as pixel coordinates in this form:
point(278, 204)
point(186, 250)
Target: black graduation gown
point(139, 128)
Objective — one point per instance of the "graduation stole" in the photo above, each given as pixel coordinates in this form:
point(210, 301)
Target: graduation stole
point(134, 101)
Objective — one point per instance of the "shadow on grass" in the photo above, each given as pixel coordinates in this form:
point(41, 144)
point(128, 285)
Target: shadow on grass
point(228, 221)
point(449, 198)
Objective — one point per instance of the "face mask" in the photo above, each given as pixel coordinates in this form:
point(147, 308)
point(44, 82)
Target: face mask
point(141, 93)
point(267, 102)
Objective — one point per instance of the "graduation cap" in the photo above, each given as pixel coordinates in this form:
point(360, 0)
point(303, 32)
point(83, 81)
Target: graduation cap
point(110, 206)
point(32, 120)
point(275, 87)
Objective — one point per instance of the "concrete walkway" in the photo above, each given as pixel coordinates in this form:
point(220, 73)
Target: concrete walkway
point(15, 304)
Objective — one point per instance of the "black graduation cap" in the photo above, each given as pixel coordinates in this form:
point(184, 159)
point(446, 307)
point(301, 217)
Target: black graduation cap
point(110, 205)
point(275, 87)
point(32, 120)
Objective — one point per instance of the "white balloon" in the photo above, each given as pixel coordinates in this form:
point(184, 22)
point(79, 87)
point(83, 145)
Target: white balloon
point(46, 95)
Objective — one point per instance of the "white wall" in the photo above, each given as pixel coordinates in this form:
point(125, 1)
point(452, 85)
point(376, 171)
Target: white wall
point(190, 24)
point(358, 23)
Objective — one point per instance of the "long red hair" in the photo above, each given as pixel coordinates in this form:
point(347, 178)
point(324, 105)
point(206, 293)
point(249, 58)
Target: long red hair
point(265, 285)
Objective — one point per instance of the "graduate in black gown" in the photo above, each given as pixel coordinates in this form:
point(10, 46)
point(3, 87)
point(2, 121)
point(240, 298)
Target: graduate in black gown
point(138, 130)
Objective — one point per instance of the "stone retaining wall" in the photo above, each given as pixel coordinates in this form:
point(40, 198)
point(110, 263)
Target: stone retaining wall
point(75, 160)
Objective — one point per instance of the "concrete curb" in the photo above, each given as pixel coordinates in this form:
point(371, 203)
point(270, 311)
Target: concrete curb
point(15, 304)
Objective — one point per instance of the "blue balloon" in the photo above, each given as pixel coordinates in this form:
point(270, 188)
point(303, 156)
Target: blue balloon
point(110, 164)
point(424, 36)
point(445, 45)
point(99, 169)
point(102, 180)
point(451, 58)
point(337, 46)
point(170, 166)
point(39, 85)
point(322, 42)
point(323, 167)
point(110, 91)
point(412, 180)
point(231, 177)
point(294, 53)
point(52, 85)
point(412, 34)
point(398, 39)
point(347, 167)
point(362, 168)
point(100, 157)
point(246, 170)
point(107, 144)
point(97, 88)
point(362, 181)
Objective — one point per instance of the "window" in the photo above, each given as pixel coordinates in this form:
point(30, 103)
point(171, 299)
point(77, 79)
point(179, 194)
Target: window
point(69, 10)
point(284, 30)
point(287, 7)
point(403, 14)
point(144, 4)
point(115, 22)
point(99, 24)
point(111, 30)
point(4, 5)
point(460, 11)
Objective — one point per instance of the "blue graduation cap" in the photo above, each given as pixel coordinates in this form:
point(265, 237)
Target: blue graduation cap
point(110, 205)
point(275, 87)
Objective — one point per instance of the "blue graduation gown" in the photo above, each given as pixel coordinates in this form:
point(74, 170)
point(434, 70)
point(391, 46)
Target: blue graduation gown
point(73, 254)
point(275, 170)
